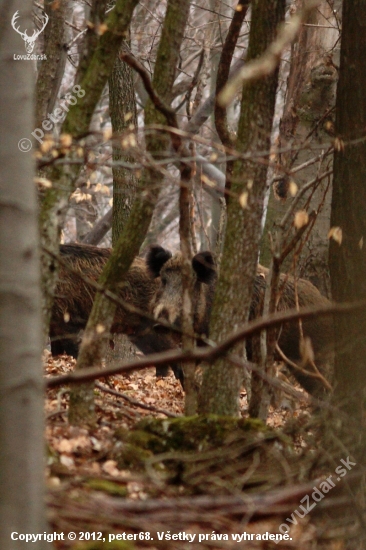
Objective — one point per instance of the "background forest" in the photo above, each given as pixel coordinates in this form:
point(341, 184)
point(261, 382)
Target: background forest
point(182, 195)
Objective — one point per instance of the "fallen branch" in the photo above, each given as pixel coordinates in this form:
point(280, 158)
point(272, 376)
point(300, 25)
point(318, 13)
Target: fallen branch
point(195, 513)
point(212, 351)
point(134, 402)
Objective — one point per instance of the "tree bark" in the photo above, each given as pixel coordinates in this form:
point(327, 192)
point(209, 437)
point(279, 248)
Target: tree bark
point(122, 108)
point(100, 229)
point(52, 68)
point(129, 242)
point(220, 389)
point(306, 126)
point(93, 78)
point(348, 260)
point(21, 384)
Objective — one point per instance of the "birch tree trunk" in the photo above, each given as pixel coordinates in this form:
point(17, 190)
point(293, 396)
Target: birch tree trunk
point(21, 385)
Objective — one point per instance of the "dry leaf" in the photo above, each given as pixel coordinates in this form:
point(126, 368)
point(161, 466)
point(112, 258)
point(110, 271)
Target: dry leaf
point(104, 189)
point(47, 144)
point(65, 140)
point(338, 144)
point(301, 219)
point(67, 461)
point(306, 350)
point(335, 233)
point(96, 444)
point(110, 467)
point(132, 139)
point(43, 181)
point(329, 127)
point(53, 482)
point(243, 200)
point(207, 181)
point(64, 446)
point(293, 189)
point(102, 29)
point(107, 134)
point(78, 196)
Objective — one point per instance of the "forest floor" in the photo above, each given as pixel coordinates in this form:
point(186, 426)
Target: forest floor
point(89, 492)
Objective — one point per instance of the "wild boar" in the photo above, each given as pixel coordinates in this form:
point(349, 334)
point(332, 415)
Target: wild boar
point(167, 306)
point(74, 300)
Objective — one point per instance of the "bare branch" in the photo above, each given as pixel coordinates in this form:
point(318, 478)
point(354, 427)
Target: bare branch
point(224, 70)
point(212, 352)
point(134, 402)
point(268, 62)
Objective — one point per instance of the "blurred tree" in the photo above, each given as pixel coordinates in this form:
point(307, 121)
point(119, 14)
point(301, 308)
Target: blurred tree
point(21, 384)
point(347, 250)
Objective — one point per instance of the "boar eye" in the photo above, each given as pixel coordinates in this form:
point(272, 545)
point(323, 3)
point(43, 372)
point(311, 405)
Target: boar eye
point(164, 281)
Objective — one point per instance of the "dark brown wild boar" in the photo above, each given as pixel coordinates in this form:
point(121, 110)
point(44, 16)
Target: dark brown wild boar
point(167, 306)
point(74, 300)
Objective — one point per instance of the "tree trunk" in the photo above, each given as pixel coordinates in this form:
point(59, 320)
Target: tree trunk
point(21, 385)
point(348, 260)
point(222, 381)
point(52, 68)
point(93, 78)
point(129, 242)
point(122, 108)
point(306, 126)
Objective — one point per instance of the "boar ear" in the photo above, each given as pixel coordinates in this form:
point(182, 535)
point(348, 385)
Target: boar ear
point(204, 266)
point(156, 258)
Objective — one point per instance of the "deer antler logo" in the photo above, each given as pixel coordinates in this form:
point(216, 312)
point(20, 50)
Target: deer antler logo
point(29, 40)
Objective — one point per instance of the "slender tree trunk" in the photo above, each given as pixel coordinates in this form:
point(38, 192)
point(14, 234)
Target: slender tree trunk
point(21, 385)
point(52, 68)
point(92, 77)
point(122, 108)
point(307, 125)
point(131, 238)
point(348, 260)
point(222, 382)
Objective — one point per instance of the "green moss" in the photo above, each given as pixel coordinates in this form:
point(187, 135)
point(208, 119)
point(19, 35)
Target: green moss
point(130, 455)
point(147, 440)
point(107, 487)
point(205, 453)
point(188, 433)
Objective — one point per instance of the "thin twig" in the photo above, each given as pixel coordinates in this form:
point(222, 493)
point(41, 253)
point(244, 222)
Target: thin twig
point(134, 402)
